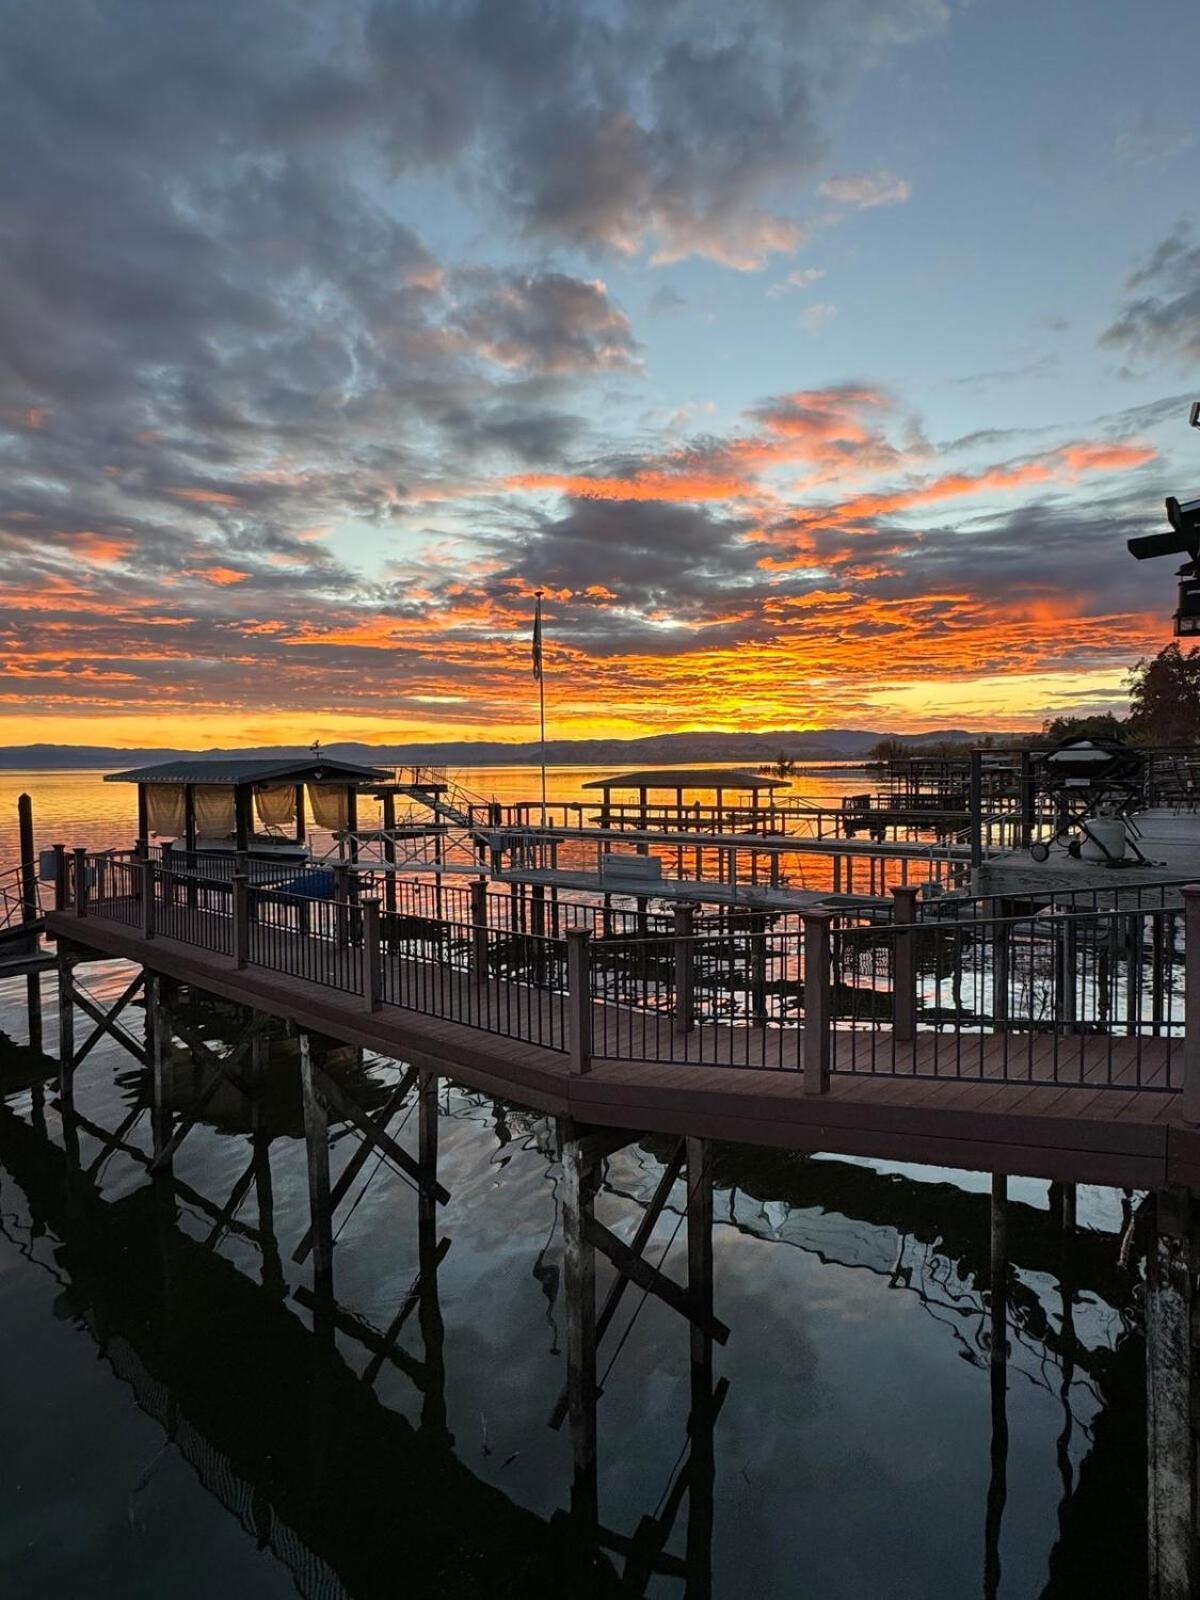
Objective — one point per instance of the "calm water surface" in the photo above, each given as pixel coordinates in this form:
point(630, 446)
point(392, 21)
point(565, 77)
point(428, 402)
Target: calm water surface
point(75, 808)
point(174, 1424)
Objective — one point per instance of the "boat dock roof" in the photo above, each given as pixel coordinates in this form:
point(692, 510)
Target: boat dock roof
point(229, 772)
point(688, 778)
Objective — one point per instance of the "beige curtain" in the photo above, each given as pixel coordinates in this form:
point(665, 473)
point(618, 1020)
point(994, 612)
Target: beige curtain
point(214, 812)
point(276, 807)
point(164, 809)
point(328, 805)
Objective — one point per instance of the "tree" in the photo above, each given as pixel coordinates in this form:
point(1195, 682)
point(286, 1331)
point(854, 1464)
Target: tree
point(887, 750)
point(1104, 725)
point(1164, 693)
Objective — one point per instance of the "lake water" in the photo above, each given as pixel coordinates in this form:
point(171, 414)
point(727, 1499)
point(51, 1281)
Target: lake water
point(74, 808)
point(179, 1419)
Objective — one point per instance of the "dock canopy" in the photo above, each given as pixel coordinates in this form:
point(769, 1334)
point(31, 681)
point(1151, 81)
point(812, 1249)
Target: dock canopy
point(734, 778)
point(215, 803)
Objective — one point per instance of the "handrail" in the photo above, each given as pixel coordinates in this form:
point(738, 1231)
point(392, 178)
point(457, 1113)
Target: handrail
point(881, 987)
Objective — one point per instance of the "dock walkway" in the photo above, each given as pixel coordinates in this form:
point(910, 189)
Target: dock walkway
point(1017, 1104)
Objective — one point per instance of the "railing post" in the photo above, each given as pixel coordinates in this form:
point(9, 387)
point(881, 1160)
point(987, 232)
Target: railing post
point(579, 997)
point(685, 970)
point(81, 896)
point(241, 919)
point(341, 904)
point(147, 877)
point(372, 956)
point(818, 1001)
point(60, 877)
point(1026, 798)
point(904, 963)
point(1190, 1096)
point(479, 930)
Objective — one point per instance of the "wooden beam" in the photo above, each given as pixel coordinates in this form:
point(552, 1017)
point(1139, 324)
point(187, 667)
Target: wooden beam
point(411, 1300)
point(648, 1277)
point(363, 1333)
point(233, 1205)
point(359, 1159)
point(221, 1070)
point(185, 1190)
point(106, 1021)
point(202, 1050)
point(638, 1244)
point(346, 1110)
point(128, 1123)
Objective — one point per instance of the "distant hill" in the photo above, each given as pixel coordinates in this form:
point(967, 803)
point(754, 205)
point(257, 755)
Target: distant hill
point(664, 749)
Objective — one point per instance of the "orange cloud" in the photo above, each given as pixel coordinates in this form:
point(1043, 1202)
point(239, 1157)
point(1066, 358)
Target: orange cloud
point(223, 577)
point(102, 550)
point(215, 497)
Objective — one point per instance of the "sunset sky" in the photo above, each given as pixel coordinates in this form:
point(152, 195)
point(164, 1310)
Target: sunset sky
point(817, 357)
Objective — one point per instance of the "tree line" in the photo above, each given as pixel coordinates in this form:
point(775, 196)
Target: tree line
point(1164, 709)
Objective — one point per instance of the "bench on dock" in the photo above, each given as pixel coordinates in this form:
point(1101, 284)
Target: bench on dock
point(630, 872)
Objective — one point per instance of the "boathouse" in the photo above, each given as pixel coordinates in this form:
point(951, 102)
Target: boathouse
point(254, 806)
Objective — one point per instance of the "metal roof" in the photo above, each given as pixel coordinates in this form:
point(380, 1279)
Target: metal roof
point(689, 778)
point(228, 772)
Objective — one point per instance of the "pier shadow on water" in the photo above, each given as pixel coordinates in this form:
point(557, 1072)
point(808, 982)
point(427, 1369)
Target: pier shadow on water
point(277, 1317)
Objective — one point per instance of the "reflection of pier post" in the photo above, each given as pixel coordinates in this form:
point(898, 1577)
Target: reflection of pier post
point(998, 1367)
point(66, 1029)
point(1065, 1194)
point(1171, 1398)
point(579, 1275)
point(645, 1551)
point(433, 1402)
point(702, 1465)
point(316, 1139)
point(260, 1141)
point(33, 1008)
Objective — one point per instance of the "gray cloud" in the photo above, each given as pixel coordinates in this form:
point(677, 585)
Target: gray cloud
point(1161, 314)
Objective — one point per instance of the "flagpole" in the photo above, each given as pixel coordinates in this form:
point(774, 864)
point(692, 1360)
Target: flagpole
point(541, 702)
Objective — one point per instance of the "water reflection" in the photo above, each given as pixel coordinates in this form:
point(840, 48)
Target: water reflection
point(409, 1338)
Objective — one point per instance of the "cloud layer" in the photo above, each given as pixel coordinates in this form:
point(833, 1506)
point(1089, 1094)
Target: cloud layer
point(310, 366)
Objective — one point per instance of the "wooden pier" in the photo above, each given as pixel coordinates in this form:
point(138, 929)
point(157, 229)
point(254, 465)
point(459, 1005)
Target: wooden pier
point(1092, 1107)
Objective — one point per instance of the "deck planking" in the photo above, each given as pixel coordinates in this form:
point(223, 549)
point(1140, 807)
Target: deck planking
point(922, 1106)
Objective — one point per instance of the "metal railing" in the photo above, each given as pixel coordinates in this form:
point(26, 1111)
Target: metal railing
point(1090, 996)
point(318, 941)
point(507, 982)
point(1059, 997)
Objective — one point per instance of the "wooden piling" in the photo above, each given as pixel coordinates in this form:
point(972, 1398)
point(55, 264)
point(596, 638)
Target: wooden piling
point(316, 1138)
point(66, 1029)
point(28, 859)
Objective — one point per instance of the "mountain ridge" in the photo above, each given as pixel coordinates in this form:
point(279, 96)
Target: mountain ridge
point(829, 744)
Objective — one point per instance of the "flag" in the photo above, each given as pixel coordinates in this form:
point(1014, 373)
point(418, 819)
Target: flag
point(537, 640)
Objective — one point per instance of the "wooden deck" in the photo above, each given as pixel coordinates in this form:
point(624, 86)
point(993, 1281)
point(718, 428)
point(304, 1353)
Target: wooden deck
point(929, 1102)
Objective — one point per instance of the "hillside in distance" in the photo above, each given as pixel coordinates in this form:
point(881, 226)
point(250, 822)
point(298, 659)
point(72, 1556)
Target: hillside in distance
point(661, 749)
